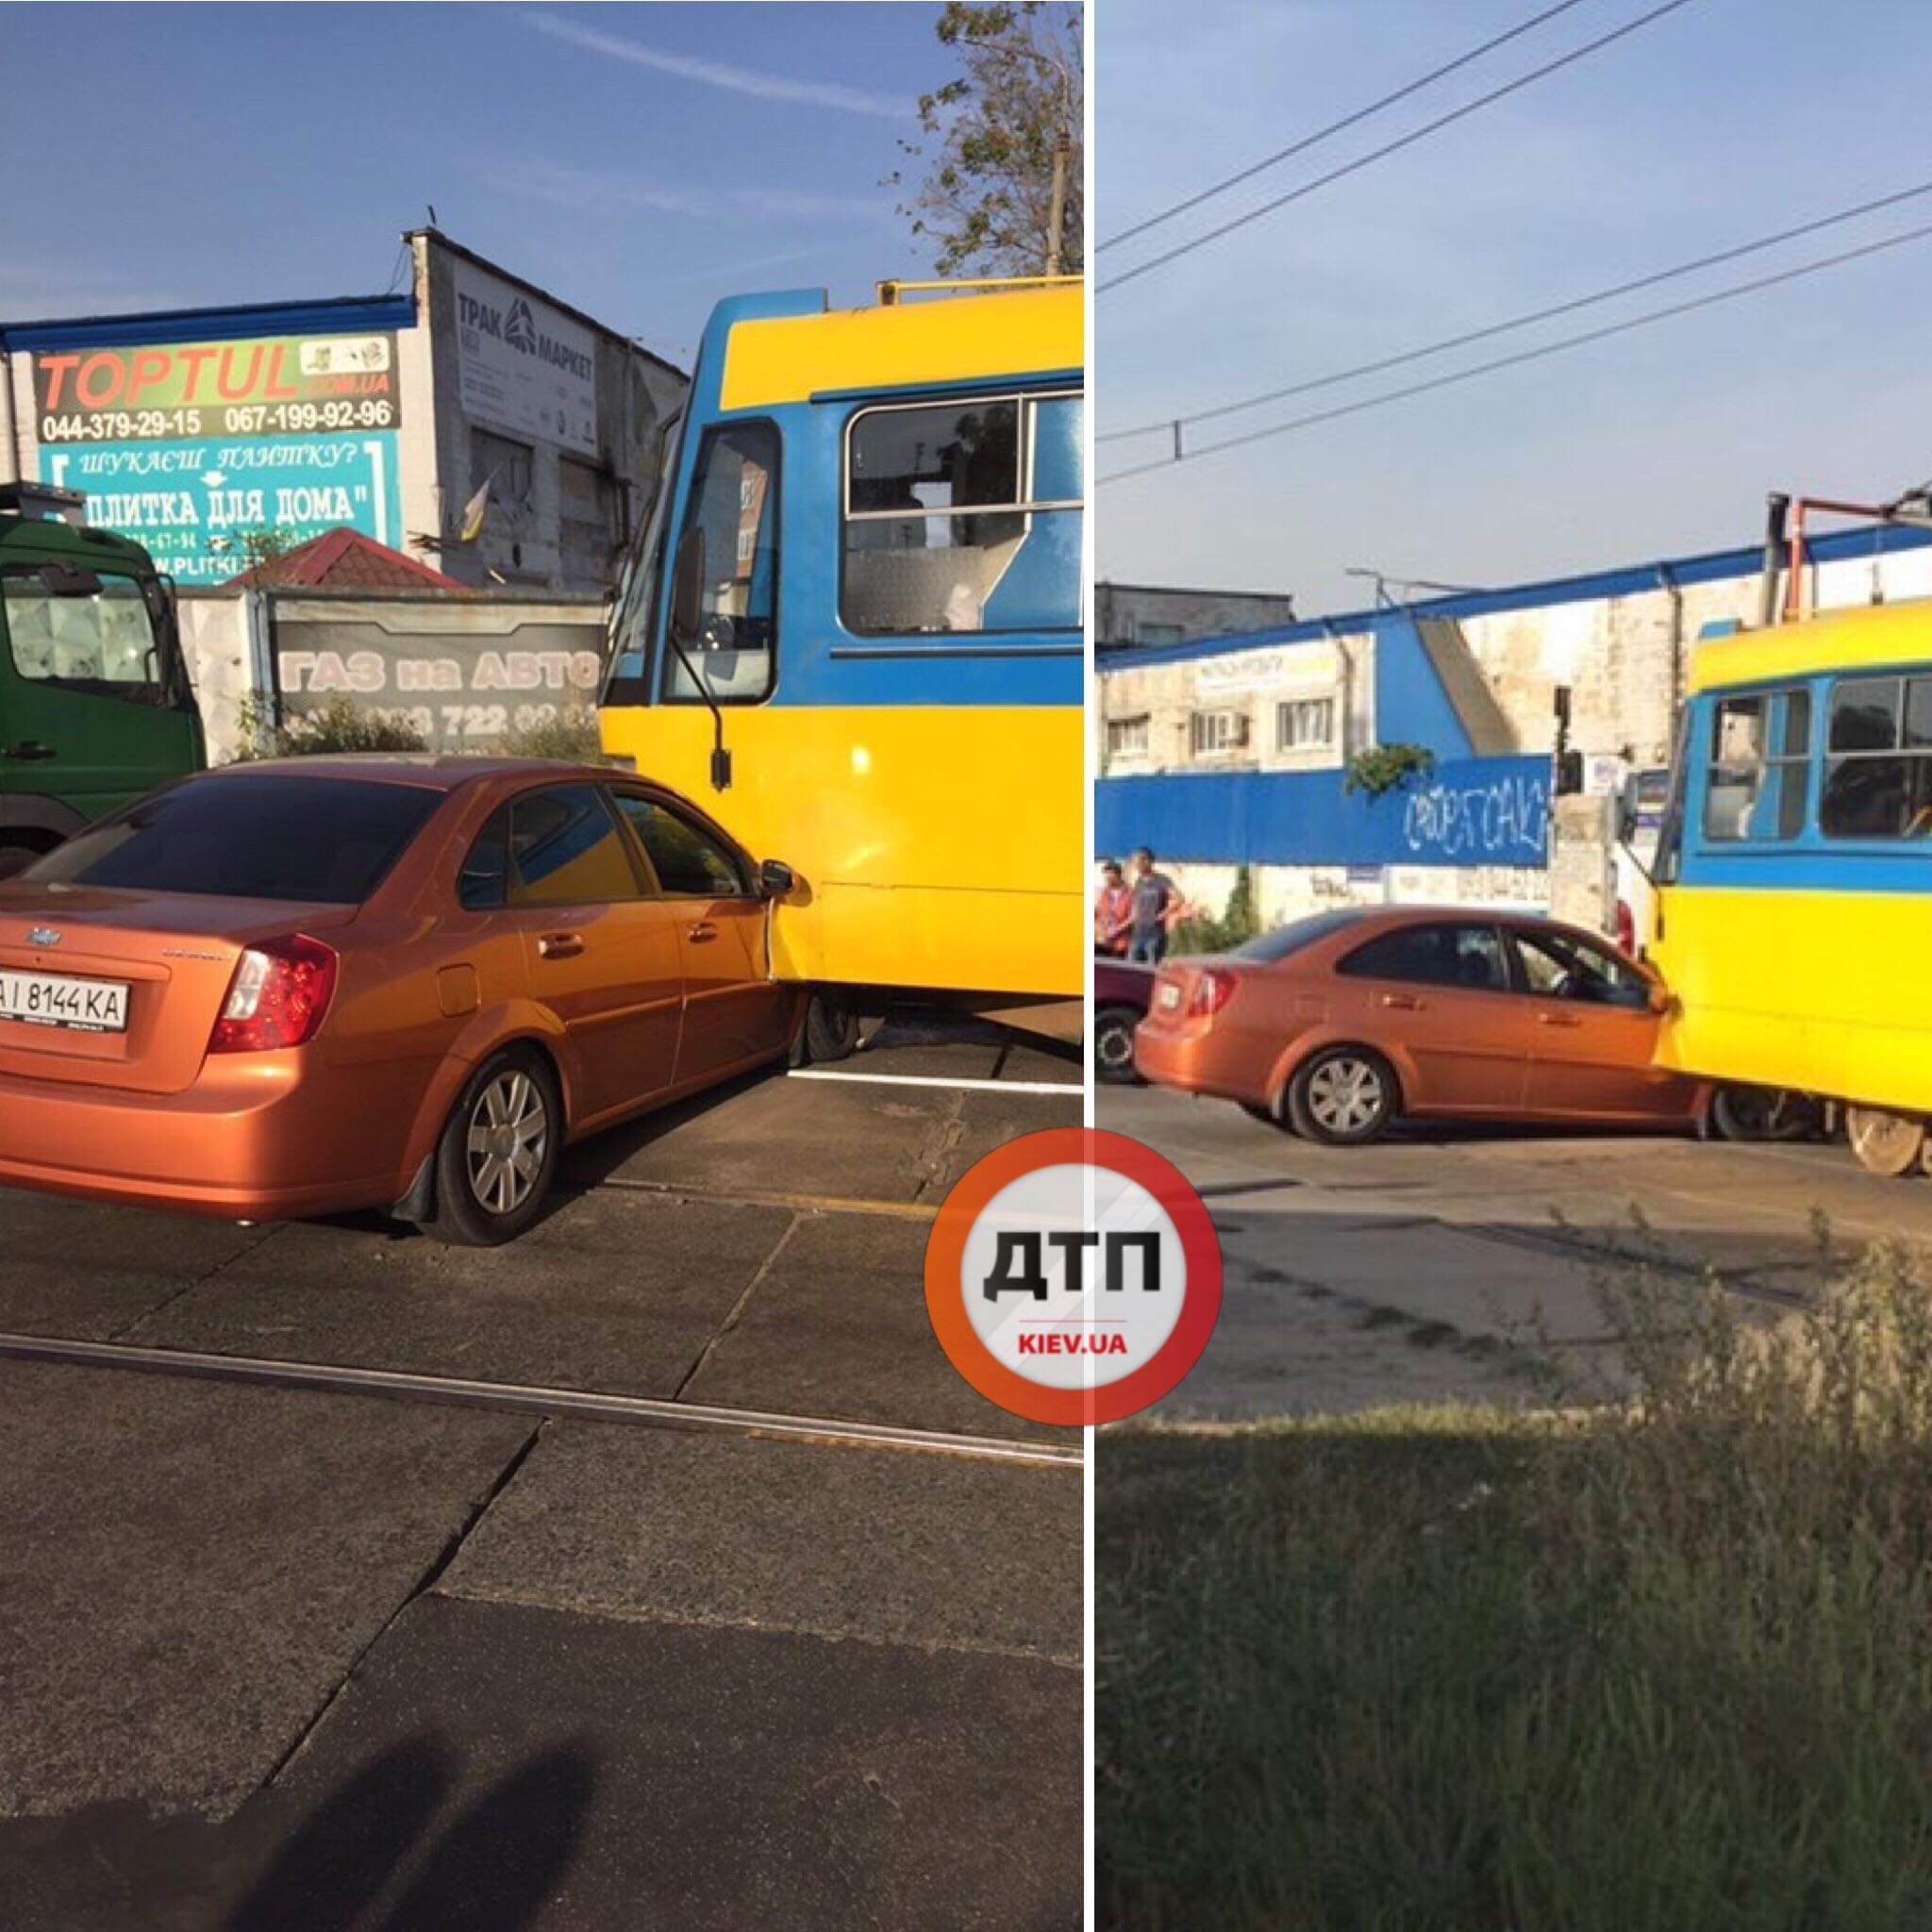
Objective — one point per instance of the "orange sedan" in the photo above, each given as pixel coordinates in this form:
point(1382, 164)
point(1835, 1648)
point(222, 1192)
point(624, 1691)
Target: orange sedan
point(1341, 1023)
point(306, 985)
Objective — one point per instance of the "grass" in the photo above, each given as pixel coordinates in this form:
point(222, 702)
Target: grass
point(1650, 1666)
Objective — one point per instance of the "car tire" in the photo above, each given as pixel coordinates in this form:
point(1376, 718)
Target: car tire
point(1762, 1113)
point(1113, 1046)
point(1343, 1096)
point(1260, 1111)
point(512, 1097)
point(830, 1031)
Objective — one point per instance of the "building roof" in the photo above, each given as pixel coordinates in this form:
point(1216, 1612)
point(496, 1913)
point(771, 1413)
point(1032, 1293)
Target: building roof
point(1709, 566)
point(345, 559)
point(440, 240)
point(333, 315)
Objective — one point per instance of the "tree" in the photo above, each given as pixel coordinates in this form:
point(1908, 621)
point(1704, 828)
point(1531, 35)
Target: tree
point(992, 139)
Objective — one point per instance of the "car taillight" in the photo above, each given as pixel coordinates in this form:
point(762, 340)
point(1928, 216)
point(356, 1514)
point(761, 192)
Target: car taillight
point(279, 992)
point(1212, 992)
point(1626, 927)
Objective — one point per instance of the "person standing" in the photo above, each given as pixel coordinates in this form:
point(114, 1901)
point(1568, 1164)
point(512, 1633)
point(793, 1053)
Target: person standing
point(1113, 909)
point(1156, 904)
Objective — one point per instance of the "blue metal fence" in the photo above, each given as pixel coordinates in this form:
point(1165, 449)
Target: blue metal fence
point(1468, 811)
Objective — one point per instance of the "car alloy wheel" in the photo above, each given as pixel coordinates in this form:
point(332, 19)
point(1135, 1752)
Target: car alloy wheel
point(508, 1132)
point(1345, 1095)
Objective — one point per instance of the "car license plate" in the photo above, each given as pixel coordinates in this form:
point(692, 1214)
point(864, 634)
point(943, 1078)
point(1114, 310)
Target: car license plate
point(54, 999)
point(1170, 997)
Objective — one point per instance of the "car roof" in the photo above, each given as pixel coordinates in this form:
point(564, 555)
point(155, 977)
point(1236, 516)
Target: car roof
point(1373, 916)
point(433, 771)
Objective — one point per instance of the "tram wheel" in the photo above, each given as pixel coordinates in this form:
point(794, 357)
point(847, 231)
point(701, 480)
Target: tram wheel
point(1889, 1144)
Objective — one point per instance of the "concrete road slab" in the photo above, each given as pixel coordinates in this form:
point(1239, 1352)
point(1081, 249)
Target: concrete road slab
point(838, 1327)
point(618, 1292)
point(989, 1120)
point(834, 1541)
point(83, 1268)
point(1433, 1273)
point(189, 1570)
point(574, 1773)
point(834, 1139)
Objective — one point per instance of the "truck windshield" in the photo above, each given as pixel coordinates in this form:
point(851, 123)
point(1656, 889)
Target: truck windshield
point(83, 630)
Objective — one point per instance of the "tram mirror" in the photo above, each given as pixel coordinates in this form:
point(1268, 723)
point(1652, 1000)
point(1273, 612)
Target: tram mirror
point(688, 586)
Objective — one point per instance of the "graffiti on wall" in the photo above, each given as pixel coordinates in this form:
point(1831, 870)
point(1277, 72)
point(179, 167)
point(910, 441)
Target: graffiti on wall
point(1492, 821)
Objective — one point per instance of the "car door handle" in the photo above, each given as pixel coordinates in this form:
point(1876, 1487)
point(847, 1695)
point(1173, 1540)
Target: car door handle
point(702, 931)
point(1558, 1020)
point(561, 945)
point(31, 749)
point(1402, 1002)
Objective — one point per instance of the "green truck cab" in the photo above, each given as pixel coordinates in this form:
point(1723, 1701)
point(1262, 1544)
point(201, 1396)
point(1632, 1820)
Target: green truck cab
point(95, 705)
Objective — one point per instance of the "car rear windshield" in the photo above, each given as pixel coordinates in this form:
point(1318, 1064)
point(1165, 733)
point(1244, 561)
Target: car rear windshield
point(254, 836)
point(1293, 937)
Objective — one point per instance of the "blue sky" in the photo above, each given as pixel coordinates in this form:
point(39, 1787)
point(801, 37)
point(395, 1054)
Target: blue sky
point(639, 162)
point(1723, 121)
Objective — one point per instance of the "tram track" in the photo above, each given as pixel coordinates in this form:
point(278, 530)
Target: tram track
point(529, 1399)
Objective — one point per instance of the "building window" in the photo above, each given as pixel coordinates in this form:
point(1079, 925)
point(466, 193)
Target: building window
point(506, 465)
point(963, 516)
point(1149, 633)
point(1212, 734)
point(1126, 738)
point(1305, 724)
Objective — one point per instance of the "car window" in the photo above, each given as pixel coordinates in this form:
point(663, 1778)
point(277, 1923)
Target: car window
point(1286, 940)
point(690, 861)
point(565, 850)
point(251, 836)
point(1464, 956)
point(482, 884)
point(1559, 967)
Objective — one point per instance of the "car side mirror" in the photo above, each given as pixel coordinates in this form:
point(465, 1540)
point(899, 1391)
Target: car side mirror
point(1658, 998)
point(776, 879)
point(688, 585)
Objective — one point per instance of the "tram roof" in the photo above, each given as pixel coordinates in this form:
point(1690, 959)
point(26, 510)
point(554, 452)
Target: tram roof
point(970, 335)
point(1863, 638)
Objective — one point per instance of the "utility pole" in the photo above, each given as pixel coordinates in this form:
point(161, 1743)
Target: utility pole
point(1056, 215)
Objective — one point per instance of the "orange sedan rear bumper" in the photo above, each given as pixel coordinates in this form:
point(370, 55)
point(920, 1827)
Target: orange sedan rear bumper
point(1193, 1059)
point(256, 1137)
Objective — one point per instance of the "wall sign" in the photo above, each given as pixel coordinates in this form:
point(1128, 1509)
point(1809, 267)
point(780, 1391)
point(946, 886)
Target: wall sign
point(191, 448)
point(522, 366)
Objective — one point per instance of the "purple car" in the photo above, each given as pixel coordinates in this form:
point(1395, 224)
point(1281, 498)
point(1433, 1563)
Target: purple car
point(1121, 994)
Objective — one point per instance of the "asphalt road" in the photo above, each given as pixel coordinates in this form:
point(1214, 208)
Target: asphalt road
point(273, 1656)
point(1425, 1266)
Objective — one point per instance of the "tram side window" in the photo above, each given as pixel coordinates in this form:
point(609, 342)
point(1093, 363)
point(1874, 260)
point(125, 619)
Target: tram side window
point(1756, 783)
point(963, 516)
point(734, 501)
point(1879, 771)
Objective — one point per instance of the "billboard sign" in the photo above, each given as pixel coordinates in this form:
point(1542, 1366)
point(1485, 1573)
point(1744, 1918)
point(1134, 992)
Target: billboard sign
point(193, 448)
point(523, 367)
point(464, 676)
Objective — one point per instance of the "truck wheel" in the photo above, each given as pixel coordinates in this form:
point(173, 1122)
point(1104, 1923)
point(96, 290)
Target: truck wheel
point(1887, 1144)
point(15, 857)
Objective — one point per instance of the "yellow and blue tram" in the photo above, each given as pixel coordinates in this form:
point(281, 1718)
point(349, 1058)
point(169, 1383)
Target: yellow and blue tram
point(853, 628)
point(1793, 911)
